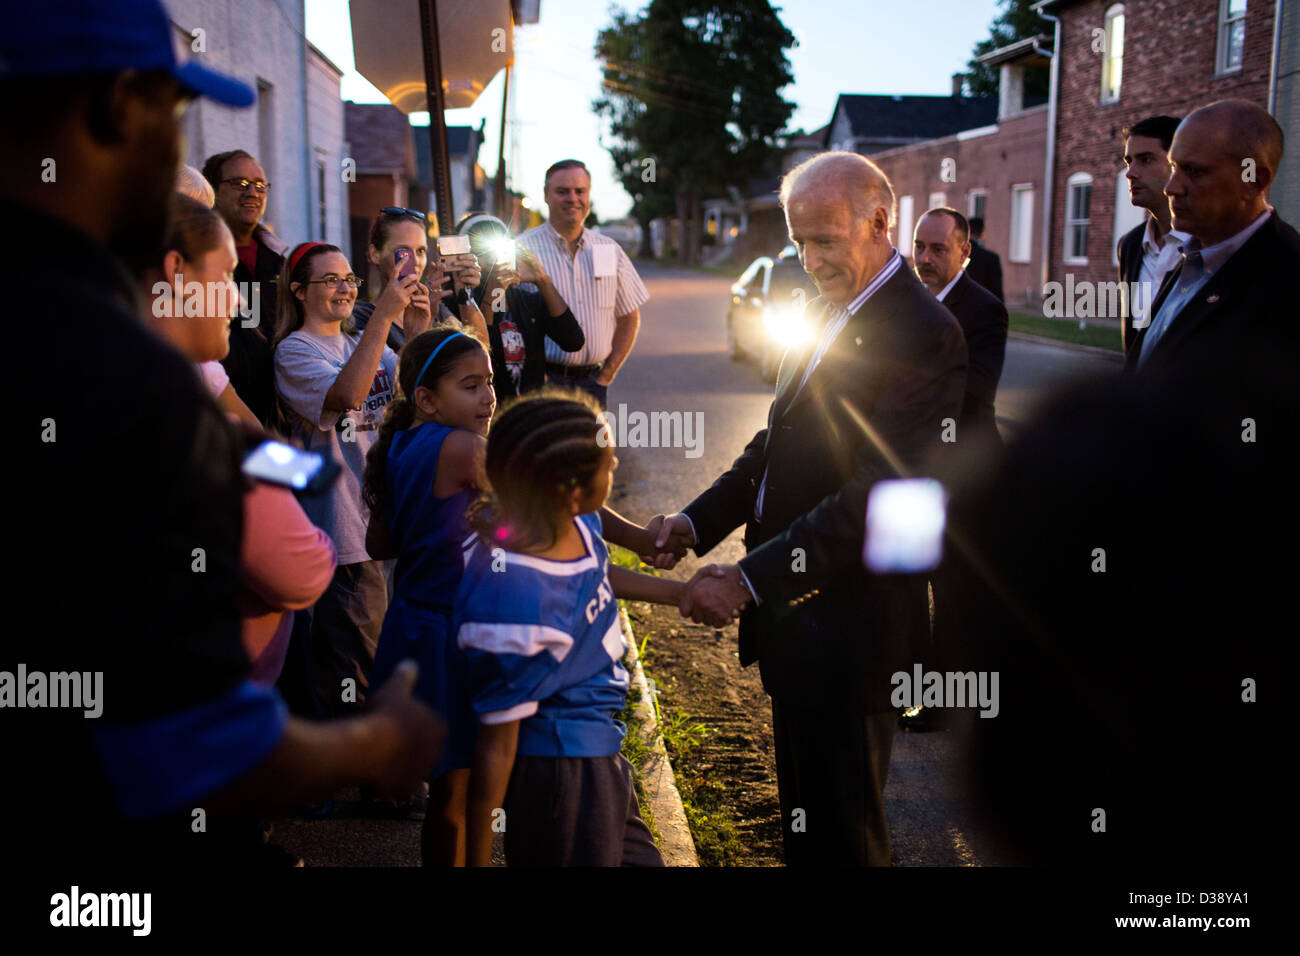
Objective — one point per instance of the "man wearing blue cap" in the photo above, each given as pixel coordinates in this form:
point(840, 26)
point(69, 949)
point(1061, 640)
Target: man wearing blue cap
point(125, 702)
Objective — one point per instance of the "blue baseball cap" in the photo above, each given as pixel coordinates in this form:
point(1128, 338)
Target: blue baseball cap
point(63, 37)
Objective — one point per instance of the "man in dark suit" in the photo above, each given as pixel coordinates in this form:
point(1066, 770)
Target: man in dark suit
point(1225, 305)
point(985, 267)
point(1149, 252)
point(940, 244)
point(866, 400)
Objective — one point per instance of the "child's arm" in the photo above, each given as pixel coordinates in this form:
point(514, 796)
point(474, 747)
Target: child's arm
point(494, 758)
point(635, 586)
point(641, 541)
point(460, 462)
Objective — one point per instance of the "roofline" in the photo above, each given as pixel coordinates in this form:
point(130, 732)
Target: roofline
point(1018, 50)
point(328, 62)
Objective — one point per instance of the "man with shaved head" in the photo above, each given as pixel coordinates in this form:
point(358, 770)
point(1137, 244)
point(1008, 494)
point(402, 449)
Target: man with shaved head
point(867, 398)
point(1225, 301)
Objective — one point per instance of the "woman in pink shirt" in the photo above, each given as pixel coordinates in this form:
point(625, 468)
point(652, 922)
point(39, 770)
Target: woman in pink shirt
point(286, 562)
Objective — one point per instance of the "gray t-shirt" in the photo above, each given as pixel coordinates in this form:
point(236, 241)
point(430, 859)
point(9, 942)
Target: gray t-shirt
point(306, 366)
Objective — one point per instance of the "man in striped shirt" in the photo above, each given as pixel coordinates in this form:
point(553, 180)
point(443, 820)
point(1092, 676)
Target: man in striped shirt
point(595, 278)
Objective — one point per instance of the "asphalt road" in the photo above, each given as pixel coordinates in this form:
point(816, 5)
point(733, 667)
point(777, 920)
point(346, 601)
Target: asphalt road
point(680, 364)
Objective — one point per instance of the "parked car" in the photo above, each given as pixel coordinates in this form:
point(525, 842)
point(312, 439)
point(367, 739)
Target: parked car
point(766, 313)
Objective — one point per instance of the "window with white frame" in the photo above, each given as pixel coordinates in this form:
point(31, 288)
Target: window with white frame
point(904, 235)
point(1022, 223)
point(937, 200)
point(1112, 55)
point(976, 203)
point(1127, 215)
point(1232, 35)
point(1078, 213)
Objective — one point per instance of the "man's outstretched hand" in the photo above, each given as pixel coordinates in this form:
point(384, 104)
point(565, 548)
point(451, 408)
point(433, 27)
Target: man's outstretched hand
point(715, 596)
point(671, 537)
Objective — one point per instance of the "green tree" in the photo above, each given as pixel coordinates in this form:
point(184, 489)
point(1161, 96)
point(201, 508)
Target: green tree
point(1017, 21)
point(691, 94)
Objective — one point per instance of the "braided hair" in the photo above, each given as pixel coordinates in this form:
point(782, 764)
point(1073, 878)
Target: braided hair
point(400, 414)
point(541, 446)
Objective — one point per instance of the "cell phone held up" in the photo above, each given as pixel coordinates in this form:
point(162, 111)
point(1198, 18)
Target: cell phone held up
point(449, 247)
point(404, 262)
point(303, 472)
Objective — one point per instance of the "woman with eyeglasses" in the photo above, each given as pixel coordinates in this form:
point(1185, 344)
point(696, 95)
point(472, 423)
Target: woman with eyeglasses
point(398, 230)
point(334, 384)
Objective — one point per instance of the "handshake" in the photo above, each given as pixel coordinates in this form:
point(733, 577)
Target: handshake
point(716, 594)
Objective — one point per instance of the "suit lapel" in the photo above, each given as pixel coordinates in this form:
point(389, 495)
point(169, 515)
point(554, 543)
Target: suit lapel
point(851, 337)
point(1216, 293)
point(956, 294)
point(1133, 351)
point(793, 364)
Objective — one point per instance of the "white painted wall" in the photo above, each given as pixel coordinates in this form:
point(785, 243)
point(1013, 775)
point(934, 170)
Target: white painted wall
point(262, 42)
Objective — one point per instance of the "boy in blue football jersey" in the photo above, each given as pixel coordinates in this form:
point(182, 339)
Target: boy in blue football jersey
point(537, 617)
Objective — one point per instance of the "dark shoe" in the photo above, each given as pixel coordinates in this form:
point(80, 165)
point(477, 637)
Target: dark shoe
point(920, 720)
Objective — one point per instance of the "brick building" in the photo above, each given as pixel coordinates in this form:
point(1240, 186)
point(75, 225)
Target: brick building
point(994, 171)
point(1120, 62)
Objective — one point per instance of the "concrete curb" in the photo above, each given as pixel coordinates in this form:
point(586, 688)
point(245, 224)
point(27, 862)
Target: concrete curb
point(1071, 346)
point(660, 785)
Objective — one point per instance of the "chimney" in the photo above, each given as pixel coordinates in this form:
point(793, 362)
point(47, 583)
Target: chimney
point(957, 80)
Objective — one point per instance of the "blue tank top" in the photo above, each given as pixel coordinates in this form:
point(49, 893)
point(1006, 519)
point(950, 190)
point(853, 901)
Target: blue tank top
point(428, 531)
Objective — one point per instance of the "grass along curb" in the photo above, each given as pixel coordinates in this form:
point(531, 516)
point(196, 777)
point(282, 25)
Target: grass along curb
point(661, 803)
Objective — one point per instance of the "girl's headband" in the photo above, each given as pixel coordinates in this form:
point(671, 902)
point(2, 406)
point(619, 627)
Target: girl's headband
point(301, 251)
point(429, 360)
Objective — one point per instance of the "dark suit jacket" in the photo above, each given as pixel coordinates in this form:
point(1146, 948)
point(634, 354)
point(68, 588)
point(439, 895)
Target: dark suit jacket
point(828, 633)
point(1239, 317)
point(985, 268)
point(249, 363)
point(983, 322)
point(1130, 269)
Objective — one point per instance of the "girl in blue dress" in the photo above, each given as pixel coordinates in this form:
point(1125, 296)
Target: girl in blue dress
point(420, 476)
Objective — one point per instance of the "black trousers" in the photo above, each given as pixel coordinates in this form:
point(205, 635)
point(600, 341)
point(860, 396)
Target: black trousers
point(830, 768)
point(345, 626)
point(575, 811)
point(589, 385)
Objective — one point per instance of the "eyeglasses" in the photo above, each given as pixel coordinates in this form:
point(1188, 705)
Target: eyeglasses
point(403, 211)
point(333, 281)
point(259, 185)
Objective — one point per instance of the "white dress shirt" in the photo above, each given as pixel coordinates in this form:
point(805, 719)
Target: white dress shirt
point(942, 294)
point(1159, 258)
point(596, 286)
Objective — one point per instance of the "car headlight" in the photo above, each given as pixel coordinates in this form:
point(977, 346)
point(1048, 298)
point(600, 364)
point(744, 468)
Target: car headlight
point(786, 326)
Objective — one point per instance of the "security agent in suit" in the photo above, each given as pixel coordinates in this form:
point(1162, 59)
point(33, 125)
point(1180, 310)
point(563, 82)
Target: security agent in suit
point(1226, 304)
point(1150, 251)
point(940, 244)
point(1181, 607)
point(985, 266)
point(863, 401)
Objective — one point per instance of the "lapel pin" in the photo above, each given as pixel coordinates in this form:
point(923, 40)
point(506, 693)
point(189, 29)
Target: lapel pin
point(858, 340)
point(1212, 299)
